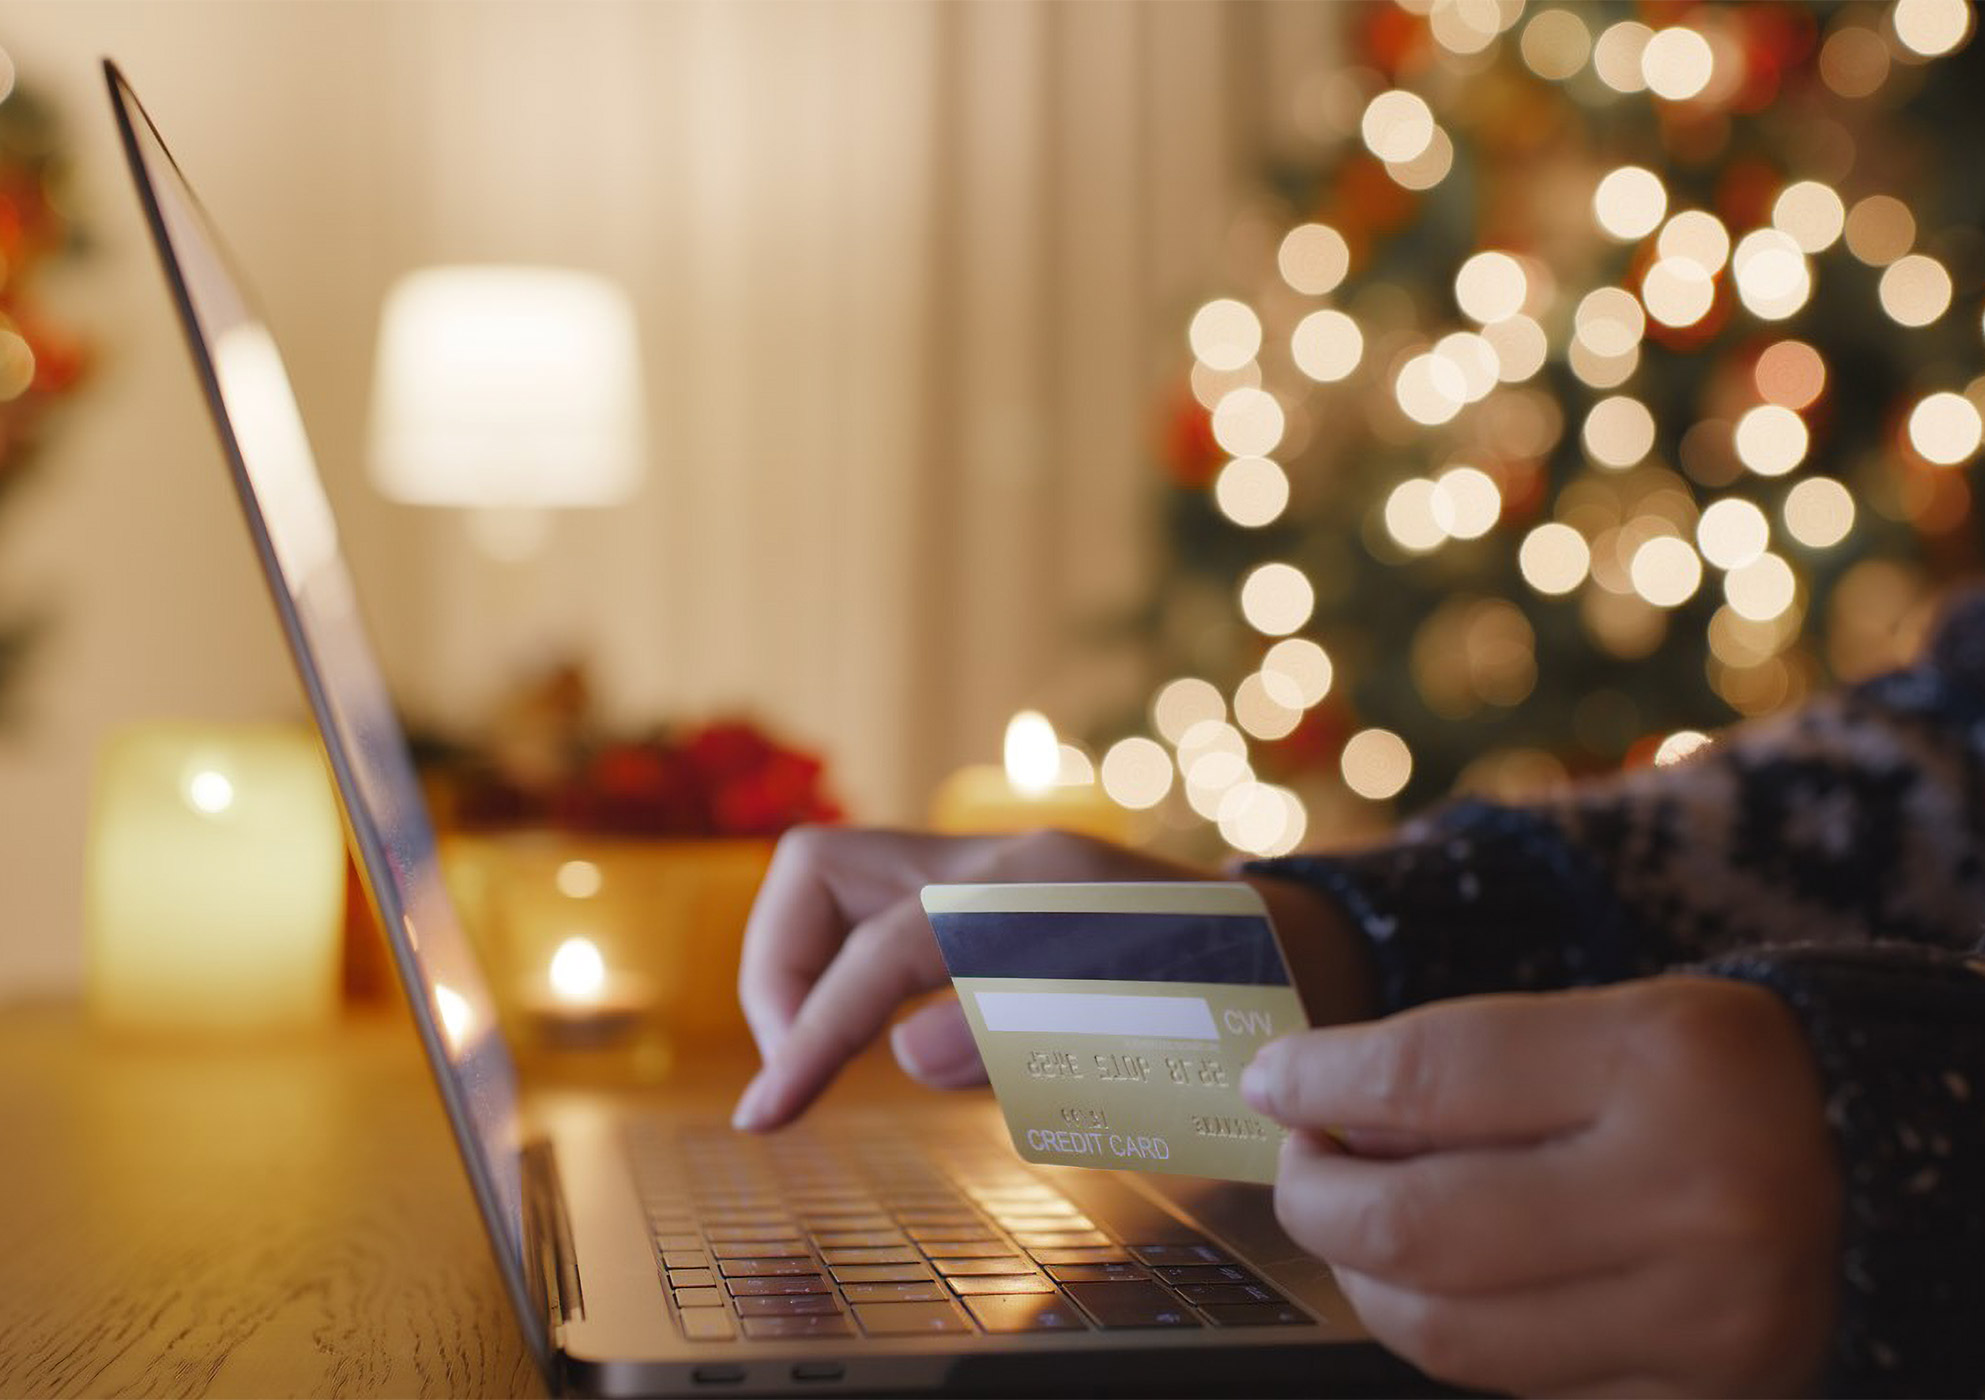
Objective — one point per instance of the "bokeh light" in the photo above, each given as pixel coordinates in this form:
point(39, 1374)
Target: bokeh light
point(1430, 390)
point(1276, 599)
point(1666, 572)
point(1677, 63)
point(1555, 44)
point(1915, 290)
point(1137, 773)
point(1376, 764)
point(1184, 703)
point(1520, 345)
point(1819, 512)
point(1248, 423)
point(1732, 532)
point(1397, 126)
point(1617, 53)
point(1880, 229)
point(1610, 321)
point(1554, 559)
point(1771, 440)
point(1698, 236)
point(1679, 745)
point(1490, 286)
point(1790, 374)
point(1225, 334)
point(1773, 278)
point(1619, 431)
point(1327, 345)
point(1410, 518)
point(1810, 214)
point(1630, 202)
point(1945, 428)
point(1761, 589)
point(1931, 28)
point(1314, 259)
point(1251, 491)
point(1678, 291)
point(1466, 502)
point(1304, 664)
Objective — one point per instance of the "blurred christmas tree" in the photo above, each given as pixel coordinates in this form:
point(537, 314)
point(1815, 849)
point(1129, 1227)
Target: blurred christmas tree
point(38, 361)
point(1609, 373)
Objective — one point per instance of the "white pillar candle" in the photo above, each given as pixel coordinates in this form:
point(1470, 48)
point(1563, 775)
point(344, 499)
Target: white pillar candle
point(215, 885)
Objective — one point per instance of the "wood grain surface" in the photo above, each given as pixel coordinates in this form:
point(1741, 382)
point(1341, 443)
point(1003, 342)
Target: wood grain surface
point(274, 1218)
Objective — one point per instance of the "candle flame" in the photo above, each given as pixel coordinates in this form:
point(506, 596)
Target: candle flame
point(578, 972)
point(1033, 753)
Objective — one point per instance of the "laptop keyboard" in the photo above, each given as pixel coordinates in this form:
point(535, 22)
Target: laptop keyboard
point(803, 1235)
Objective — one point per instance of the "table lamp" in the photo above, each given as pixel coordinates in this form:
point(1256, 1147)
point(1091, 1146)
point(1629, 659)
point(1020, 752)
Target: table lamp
point(508, 391)
point(214, 892)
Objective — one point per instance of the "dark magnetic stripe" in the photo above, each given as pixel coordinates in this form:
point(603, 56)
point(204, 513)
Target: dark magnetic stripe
point(1237, 950)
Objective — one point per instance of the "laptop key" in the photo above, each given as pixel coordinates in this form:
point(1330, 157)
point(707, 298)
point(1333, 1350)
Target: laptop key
point(766, 1268)
point(1026, 1312)
point(736, 1234)
point(787, 1305)
point(817, 1325)
point(928, 1291)
point(910, 1319)
point(846, 1274)
point(705, 1278)
point(967, 1285)
point(1257, 1315)
point(1094, 1254)
point(708, 1325)
point(1097, 1273)
point(1179, 1275)
point(1142, 1304)
point(678, 1241)
point(996, 1264)
point(900, 1254)
point(1229, 1293)
point(1162, 1255)
point(687, 1298)
point(685, 1259)
point(858, 1239)
point(789, 1283)
point(966, 1249)
point(961, 1231)
point(1062, 1239)
point(760, 1249)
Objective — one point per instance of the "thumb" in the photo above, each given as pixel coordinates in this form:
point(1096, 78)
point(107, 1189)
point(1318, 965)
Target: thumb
point(934, 1046)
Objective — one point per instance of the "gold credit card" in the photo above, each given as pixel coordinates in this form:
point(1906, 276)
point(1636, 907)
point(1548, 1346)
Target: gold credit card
point(1115, 1019)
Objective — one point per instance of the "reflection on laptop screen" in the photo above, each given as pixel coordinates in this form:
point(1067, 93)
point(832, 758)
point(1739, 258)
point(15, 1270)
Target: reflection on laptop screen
point(297, 539)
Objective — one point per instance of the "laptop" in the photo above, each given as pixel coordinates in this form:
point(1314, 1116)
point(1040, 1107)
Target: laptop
point(893, 1243)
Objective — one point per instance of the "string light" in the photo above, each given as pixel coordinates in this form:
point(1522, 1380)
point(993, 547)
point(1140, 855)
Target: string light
point(1810, 214)
point(1185, 703)
point(1555, 44)
point(1732, 532)
point(1677, 63)
point(1915, 290)
point(1410, 518)
point(1678, 291)
point(1137, 773)
point(1616, 57)
point(1619, 431)
point(1466, 502)
point(1490, 286)
point(1771, 440)
point(1945, 429)
point(1248, 423)
point(1225, 334)
point(1397, 126)
point(1761, 589)
point(1880, 229)
point(1520, 348)
point(1251, 491)
point(1931, 28)
point(1819, 512)
point(1697, 236)
point(1304, 665)
point(1376, 764)
point(1327, 345)
point(1314, 259)
point(1276, 599)
point(1666, 572)
point(1630, 202)
point(1790, 374)
point(1554, 559)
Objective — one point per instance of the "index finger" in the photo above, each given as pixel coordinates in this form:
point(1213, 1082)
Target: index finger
point(1500, 1068)
point(823, 882)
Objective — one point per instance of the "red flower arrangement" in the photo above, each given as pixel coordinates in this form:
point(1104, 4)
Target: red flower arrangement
point(723, 778)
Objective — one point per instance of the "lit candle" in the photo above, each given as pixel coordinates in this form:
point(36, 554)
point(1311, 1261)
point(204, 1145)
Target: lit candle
point(215, 884)
point(1043, 783)
point(582, 1005)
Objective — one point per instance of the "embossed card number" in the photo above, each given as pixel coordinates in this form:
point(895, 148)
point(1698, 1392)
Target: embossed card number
point(1115, 1019)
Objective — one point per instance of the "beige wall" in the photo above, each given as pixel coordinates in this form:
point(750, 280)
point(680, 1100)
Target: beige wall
point(908, 276)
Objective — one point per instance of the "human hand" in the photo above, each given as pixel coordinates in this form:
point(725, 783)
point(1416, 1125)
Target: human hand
point(1626, 1190)
point(838, 939)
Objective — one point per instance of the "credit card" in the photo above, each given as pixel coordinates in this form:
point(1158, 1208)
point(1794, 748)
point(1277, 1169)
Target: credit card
point(1115, 1019)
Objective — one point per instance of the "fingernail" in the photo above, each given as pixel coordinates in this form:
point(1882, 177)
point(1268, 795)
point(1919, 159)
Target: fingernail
point(749, 1115)
point(1255, 1078)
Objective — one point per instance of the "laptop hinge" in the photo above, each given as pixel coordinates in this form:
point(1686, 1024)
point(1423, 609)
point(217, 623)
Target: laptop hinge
point(554, 1275)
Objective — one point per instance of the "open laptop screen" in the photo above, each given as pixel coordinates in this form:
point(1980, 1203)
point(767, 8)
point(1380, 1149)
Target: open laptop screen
point(296, 538)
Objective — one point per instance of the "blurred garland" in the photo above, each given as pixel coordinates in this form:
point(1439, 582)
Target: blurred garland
point(40, 361)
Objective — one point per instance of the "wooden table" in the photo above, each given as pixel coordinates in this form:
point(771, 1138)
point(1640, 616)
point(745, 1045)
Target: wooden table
point(275, 1219)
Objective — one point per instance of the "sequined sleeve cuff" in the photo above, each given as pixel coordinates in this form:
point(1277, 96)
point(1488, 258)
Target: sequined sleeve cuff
point(1480, 898)
point(1899, 1035)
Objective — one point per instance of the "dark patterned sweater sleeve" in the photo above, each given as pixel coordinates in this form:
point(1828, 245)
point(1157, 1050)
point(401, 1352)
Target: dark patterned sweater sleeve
point(1833, 856)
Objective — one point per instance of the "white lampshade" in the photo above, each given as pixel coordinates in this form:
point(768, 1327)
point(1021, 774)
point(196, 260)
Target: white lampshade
point(507, 388)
